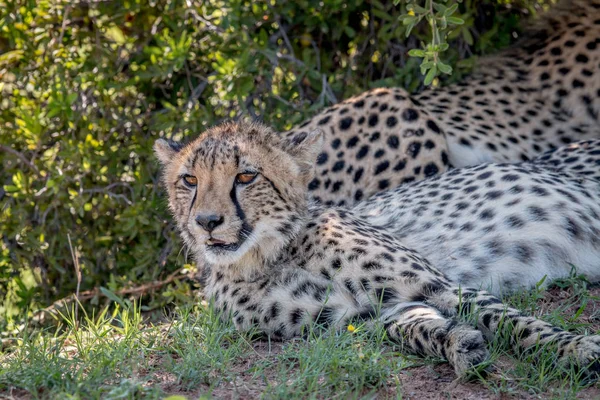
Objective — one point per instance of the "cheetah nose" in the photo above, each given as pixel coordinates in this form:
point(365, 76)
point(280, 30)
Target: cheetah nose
point(209, 221)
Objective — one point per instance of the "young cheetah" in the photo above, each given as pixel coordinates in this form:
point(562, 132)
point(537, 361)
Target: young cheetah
point(414, 257)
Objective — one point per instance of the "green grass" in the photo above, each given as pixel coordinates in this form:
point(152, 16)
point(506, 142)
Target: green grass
point(189, 352)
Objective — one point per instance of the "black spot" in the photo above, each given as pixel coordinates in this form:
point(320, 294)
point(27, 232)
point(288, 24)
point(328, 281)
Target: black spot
point(391, 121)
point(577, 83)
point(537, 213)
point(429, 144)
point(338, 166)
point(433, 126)
point(510, 177)
point(371, 265)
point(275, 309)
point(523, 253)
point(382, 167)
point(413, 149)
point(346, 123)
point(417, 267)
point(358, 195)
point(373, 119)
point(393, 141)
point(573, 228)
point(383, 184)
point(325, 317)
point(374, 137)
point(400, 165)
point(493, 194)
point(365, 284)
point(514, 222)
point(362, 152)
point(488, 302)
point(582, 58)
point(296, 316)
point(386, 295)
point(410, 114)
point(358, 174)
point(487, 318)
point(359, 104)
point(465, 142)
point(487, 214)
point(430, 169)
point(538, 190)
point(336, 264)
point(324, 120)
point(352, 142)
point(322, 158)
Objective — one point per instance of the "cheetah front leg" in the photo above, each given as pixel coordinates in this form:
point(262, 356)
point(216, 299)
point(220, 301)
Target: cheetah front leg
point(524, 332)
point(423, 330)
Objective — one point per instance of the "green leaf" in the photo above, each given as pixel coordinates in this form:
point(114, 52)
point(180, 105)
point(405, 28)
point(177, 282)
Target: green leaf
point(455, 20)
point(444, 68)
point(408, 19)
point(467, 36)
point(450, 10)
point(416, 53)
point(11, 188)
point(113, 297)
point(116, 34)
point(416, 8)
point(71, 97)
point(430, 75)
point(439, 7)
point(409, 28)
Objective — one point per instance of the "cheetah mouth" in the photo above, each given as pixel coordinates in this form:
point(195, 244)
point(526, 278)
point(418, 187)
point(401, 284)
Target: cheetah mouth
point(218, 245)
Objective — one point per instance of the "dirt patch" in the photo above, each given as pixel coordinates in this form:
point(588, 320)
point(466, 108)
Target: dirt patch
point(563, 299)
point(430, 382)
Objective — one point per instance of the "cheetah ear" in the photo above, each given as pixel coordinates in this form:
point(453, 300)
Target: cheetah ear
point(165, 150)
point(305, 148)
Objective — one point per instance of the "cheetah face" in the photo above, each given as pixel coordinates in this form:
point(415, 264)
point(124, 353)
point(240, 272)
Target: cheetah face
point(238, 192)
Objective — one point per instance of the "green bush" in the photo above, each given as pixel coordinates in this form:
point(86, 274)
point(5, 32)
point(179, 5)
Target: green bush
point(87, 87)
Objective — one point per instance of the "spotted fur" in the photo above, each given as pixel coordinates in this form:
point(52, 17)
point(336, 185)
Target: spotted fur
point(539, 95)
point(415, 257)
point(579, 158)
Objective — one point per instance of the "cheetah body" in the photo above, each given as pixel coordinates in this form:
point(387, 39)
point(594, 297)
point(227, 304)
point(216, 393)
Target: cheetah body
point(277, 262)
point(537, 96)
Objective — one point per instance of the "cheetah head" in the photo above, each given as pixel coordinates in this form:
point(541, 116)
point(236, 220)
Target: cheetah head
point(239, 191)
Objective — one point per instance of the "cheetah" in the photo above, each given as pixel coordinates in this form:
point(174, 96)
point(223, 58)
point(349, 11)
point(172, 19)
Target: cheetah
point(414, 258)
point(539, 95)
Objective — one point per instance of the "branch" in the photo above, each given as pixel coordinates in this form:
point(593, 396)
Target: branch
point(136, 291)
point(20, 156)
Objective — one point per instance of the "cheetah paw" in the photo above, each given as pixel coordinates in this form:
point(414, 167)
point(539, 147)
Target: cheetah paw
point(466, 349)
point(584, 352)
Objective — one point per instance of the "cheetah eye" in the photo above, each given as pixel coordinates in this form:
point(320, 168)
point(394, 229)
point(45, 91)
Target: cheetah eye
point(245, 177)
point(190, 181)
